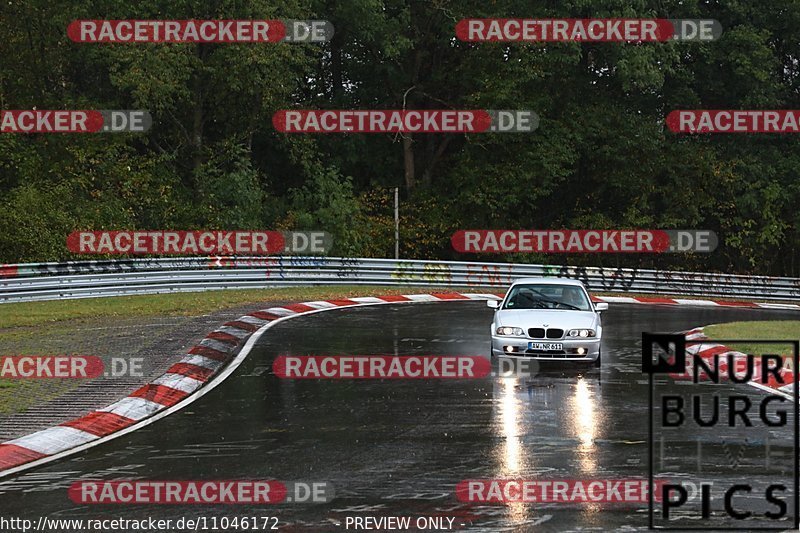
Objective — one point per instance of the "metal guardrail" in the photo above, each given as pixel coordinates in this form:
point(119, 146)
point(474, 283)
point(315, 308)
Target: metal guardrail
point(85, 279)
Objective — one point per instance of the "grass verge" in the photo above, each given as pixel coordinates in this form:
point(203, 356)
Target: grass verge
point(51, 327)
point(757, 330)
point(176, 304)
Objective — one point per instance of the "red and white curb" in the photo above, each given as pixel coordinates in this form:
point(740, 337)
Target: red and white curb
point(203, 367)
point(695, 302)
point(707, 351)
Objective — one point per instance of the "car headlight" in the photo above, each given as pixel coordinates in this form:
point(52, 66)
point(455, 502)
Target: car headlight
point(508, 330)
point(581, 333)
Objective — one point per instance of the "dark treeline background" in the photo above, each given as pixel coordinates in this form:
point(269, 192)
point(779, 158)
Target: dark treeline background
point(601, 158)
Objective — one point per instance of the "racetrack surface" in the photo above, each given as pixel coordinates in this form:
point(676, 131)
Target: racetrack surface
point(397, 447)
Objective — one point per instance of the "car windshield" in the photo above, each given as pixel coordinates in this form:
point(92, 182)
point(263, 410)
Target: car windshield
point(547, 296)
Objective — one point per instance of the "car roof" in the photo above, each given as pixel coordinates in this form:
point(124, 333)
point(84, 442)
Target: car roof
point(548, 281)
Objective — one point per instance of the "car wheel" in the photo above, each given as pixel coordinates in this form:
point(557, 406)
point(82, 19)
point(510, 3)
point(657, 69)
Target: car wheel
point(597, 362)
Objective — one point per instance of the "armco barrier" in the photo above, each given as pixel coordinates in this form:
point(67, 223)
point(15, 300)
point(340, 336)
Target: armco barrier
point(83, 279)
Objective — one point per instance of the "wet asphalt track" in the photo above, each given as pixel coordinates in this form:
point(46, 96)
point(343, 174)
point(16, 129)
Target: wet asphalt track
point(400, 447)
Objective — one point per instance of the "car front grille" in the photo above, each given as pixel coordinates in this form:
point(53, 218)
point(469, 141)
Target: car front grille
point(541, 333)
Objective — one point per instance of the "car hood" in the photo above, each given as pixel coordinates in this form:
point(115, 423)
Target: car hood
point(536, 318)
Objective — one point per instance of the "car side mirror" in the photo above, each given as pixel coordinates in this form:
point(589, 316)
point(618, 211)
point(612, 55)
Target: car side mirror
point(601, 306)
point(494, 304)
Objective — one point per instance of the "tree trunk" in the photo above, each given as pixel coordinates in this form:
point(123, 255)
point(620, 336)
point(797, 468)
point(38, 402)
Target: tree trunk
point(337, 84)
point(427, 174)
point(408, 161)
point(197, 115)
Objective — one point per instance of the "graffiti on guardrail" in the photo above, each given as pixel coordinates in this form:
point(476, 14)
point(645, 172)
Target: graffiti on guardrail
point(272, 266)
point(621, 279)
point(348, 267)
point(483, 275)
point(598, 279)
point(13, 271)
point(96, 267)
point(305, 261)
point(550, 270)
point(236, 262)
point(564, 271)
point(723, 283)
point(410, 271)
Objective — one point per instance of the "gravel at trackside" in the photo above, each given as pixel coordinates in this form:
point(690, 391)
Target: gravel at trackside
point(159, 341)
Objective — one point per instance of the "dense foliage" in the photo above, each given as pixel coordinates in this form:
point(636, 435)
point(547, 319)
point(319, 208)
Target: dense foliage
point(601, 158)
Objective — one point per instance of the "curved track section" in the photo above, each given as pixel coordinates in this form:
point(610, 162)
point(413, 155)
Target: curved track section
point(202, 368)
point(395, 447)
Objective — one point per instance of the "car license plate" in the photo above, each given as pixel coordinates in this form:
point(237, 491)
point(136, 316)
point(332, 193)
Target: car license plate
point(545, 346)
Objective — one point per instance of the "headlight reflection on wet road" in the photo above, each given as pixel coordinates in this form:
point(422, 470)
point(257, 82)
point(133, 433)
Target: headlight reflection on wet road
point(513, 455)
